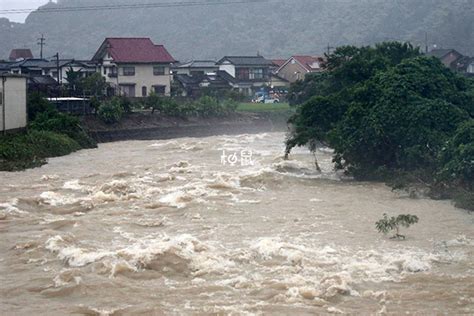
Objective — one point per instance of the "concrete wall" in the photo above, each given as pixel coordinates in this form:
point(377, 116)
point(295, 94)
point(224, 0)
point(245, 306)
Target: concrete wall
point(15, 103)
point(143, 77)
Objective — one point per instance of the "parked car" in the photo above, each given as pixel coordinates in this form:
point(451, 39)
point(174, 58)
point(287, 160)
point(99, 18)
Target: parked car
point(266, 99)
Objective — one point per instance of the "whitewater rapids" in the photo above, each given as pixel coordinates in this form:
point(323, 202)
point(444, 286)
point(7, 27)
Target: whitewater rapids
point(164, 227)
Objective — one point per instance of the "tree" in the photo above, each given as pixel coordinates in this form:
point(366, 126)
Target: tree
point(74, 81)
point(93, 85)
point(386, 224)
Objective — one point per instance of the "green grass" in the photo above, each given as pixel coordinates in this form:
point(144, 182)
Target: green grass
point(262, 107)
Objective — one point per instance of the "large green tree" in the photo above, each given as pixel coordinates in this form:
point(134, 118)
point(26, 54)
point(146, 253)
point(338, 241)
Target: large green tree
point(386, 108)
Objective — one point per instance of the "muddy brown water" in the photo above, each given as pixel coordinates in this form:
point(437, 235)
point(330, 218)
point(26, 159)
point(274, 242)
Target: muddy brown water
point(163, 227)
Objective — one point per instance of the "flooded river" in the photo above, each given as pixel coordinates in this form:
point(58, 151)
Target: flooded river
point(187, 227)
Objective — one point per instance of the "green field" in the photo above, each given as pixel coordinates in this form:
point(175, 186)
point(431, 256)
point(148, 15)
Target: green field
point(261, 107)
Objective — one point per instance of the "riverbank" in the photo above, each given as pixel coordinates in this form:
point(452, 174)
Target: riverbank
point(145, 126)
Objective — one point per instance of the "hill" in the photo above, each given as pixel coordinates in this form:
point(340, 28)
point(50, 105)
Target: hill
point(276, 28)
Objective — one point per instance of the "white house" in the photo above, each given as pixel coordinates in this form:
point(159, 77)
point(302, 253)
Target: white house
point(135, 67)
point(13, 102)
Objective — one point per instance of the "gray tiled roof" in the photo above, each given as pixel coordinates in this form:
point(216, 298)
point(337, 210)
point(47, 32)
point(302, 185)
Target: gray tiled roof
point(199, 64)
point(246, 60)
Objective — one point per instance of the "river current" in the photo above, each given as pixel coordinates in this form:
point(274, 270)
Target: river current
point(185, 227)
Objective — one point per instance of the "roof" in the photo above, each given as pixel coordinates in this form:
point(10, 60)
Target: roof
point(440, 53)
point(198, 64)
point(19, 53)
point(279, 62)
point(215, 80)
point(310, 63)
point(43, 80)
point(185, 79)
point(246, 61)
point(134, 50)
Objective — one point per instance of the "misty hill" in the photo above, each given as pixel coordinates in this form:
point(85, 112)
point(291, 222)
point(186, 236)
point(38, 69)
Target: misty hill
point(277, 28)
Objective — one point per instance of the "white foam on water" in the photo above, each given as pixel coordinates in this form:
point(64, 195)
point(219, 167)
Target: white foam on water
point(177, 199)
point(73, 185)
point(56, 199)
point(49, 177)
point(182, 254)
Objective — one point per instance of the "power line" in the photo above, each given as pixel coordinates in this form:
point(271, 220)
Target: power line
point(130, 6)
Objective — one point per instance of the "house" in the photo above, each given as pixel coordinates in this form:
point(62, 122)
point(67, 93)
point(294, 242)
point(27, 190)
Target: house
point(12, 102)
point(216, 83)
point(247, 73)
point(20, 54)
point(448, 57)
point(53, 68)
point(135, 67)
point(277, 63)
point(296, 67)
point(470, 67)
point(195, 67)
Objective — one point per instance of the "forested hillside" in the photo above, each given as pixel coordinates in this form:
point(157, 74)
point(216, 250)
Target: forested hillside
point(276, 28)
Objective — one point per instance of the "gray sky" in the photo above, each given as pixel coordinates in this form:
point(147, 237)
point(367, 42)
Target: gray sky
point(19, 4)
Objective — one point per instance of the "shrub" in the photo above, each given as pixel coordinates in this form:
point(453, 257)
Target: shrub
point(65, 124)
point(207, 106)
point(29, 149)
point(37, 104)
point(111, 111)
point(386, 224)
point(154, 102)
point(229, 106)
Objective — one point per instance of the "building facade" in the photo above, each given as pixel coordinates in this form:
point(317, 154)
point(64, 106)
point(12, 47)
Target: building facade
point(297, 67)
point(247, 73)
point(12, 102)
point(135, 67)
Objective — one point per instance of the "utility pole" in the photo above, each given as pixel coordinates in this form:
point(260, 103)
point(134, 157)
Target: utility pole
point(57, 67)
point(4, 79)
point(41, 43)
point(426, 42)
point(329, 49)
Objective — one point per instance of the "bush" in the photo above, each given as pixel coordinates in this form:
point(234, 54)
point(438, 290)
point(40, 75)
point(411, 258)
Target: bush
point(30, 149)
point(64, 124)
point(154, 102)
point(37, 104)
point(111, 111)
point(208, 106)
point(229, 106)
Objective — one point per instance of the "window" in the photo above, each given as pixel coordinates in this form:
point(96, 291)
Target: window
point(1, 98)
point(160, 90)
point(129, 71)
point(128, 90)
point(105, 71)
point(144, 91)
point(242, 73)
point(159, 70)
point(256, 73)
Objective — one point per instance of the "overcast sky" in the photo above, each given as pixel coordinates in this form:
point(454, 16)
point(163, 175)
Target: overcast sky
point(19, 4)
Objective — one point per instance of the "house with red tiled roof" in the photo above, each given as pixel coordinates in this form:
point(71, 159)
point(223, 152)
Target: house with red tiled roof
point(135, 67)
point(296, 67)
point(20, 54)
